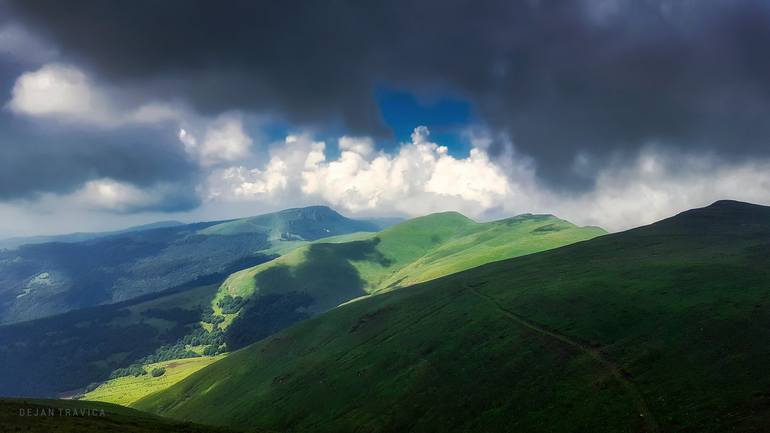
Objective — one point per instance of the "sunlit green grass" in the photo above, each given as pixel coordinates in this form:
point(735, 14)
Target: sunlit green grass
point(128, 389)
point(414, 251)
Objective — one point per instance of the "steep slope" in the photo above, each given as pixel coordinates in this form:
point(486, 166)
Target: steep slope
point(50, 278)
point(320, 276)
point(658, 329)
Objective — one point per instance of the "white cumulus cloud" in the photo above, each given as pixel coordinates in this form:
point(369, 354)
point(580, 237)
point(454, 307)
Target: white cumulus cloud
point(110, 195)
point(66, 93)
point(278, 181)
point(56, 90)
point(224, 141)
point(421, 177)
point(658, 184)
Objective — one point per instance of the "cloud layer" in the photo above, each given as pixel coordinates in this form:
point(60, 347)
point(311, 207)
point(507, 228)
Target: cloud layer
point(65, 93)
point(608, 112)
point(566, 80)
point(421, 178)
point(40, 158)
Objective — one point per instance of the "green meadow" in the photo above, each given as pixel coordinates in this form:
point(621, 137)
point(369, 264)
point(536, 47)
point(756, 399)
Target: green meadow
point(128, 389)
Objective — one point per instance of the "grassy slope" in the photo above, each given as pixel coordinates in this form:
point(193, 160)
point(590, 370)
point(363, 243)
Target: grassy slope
point(661, 328)
point(128, 389)
point(413, 251)
point(92, 417)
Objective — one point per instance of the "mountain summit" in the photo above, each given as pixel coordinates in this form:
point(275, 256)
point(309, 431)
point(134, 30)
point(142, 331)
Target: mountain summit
point(722, 217)
point(306, 223)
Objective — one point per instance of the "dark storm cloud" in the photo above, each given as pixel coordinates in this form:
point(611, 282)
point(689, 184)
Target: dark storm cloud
point(36, 158)
point(560, 77)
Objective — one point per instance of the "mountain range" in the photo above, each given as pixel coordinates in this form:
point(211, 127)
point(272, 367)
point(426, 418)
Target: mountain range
point(660, 328)
point(43, 279)
point(312, 277)
point(438, 323)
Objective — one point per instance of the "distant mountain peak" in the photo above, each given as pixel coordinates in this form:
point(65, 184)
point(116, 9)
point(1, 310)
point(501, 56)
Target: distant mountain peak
point(722, 216)
point(313, 212)
point(300, 223)
point(726, 208)
point(318, 207)
point(734, 205)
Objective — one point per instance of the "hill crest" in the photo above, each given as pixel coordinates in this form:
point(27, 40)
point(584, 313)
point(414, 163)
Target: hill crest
point(303, 223)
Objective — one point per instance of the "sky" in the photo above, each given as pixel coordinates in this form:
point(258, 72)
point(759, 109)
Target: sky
point(614, 113)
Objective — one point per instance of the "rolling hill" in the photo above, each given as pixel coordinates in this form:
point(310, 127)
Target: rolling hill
point(45, 279)
point(321, 275)
point(663, 328)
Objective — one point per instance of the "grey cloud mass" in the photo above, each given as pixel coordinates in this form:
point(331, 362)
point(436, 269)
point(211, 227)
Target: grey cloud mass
point(37, 158)
point(598, 79)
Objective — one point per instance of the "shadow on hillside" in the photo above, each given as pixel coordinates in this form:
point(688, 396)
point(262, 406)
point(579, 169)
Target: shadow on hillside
point(266, 315)
point(326, 274)
point(289, 294)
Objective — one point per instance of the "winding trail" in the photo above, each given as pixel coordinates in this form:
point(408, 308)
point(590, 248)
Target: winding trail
point(648, 421)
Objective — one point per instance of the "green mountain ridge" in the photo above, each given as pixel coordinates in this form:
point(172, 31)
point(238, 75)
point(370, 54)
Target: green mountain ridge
point(423, 248)
point(328, 272)
point(319, 276)
point(307, 224)
point(45, 279)
point(662, 328)
point(334, 270)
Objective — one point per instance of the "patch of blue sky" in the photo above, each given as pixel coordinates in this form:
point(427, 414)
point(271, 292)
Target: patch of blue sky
point(446, 117)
